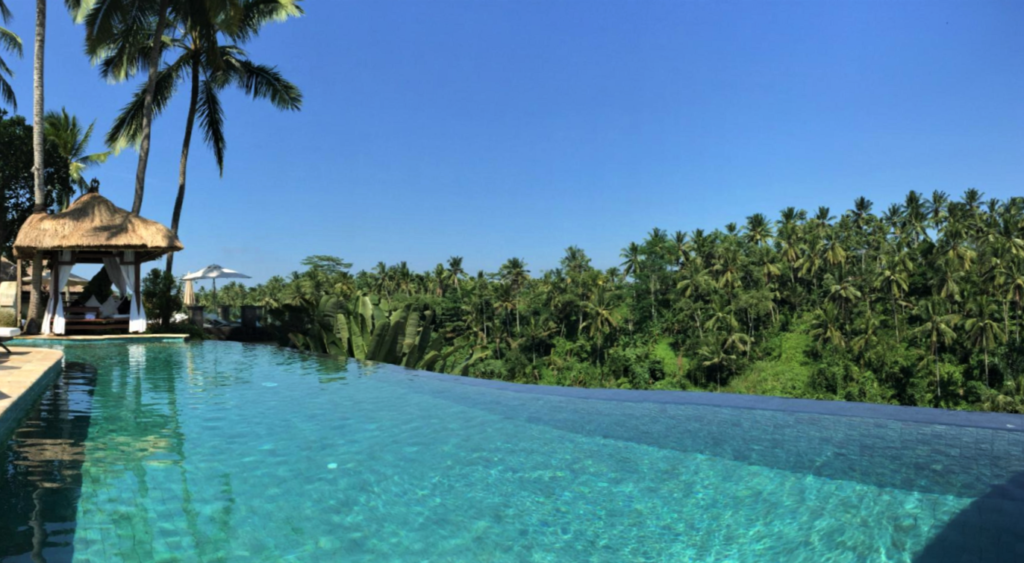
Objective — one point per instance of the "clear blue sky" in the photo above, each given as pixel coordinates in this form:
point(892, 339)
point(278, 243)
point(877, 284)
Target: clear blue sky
point(497, 129)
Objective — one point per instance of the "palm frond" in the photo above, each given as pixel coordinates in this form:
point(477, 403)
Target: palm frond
point(78, 8)
point(7, 94)
point(127, 127)
point(5, 12)
point(255, 14)
point(106, 20)
point(10, 41)
point(265, 82)
point(211, 120)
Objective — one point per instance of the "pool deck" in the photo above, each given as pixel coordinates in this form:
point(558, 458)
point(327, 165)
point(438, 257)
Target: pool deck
point(24, 375)
point(111, 337)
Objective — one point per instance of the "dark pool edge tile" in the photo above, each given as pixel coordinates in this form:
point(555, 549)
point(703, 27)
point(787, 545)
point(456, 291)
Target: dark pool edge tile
point(919, 415)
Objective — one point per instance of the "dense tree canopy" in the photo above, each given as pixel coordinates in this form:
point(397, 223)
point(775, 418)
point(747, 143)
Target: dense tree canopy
point(918, 305)
point(16, 180)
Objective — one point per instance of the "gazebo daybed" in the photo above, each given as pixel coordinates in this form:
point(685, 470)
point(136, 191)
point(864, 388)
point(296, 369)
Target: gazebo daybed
point(94, 231)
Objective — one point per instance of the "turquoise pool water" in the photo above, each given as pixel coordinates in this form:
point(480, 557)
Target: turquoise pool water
point(228, 452)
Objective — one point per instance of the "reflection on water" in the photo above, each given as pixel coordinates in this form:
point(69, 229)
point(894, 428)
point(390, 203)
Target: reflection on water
point(42, 471)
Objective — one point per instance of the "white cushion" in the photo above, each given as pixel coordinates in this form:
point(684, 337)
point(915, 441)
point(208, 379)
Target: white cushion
point(109, 308)
point(9, 332)
point(92, 302)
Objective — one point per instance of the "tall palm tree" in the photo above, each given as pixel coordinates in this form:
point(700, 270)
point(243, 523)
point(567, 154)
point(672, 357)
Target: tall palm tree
point(9, 41)
point(124, 37)
point(35, 306)
point(603, 317)
point(210, 62)
point(983, 330)
point(63, 129)
point(631, 256)
point(75, 7)
point(455, 272)
point(758, 231)
point(894, 280)
point(937, 327)
point(438, 277)
point(514, 273)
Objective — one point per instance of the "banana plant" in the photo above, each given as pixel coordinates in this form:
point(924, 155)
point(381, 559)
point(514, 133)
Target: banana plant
point(367, 329)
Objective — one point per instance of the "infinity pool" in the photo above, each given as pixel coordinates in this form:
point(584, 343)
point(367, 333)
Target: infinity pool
point(227, 452)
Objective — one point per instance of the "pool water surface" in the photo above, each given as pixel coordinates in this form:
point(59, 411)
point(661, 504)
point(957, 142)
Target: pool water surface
point(227, 452)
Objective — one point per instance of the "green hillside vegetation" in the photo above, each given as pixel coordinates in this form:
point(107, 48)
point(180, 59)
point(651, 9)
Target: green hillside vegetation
point(918, 305)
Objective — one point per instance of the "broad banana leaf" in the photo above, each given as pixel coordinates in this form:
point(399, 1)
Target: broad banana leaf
point(375, 349)
point(366, 311)
point(356, 336)
point(341, 332)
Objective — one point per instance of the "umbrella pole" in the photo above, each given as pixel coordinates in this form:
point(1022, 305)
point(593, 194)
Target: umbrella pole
point(214, 294)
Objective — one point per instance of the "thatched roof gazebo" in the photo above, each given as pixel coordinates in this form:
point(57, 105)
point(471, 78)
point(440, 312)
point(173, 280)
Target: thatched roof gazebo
point(94, 231)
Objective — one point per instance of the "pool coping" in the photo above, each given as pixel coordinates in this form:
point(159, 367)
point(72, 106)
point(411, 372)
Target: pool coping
point(898, 413)
point(138, 338)
point(24, 376)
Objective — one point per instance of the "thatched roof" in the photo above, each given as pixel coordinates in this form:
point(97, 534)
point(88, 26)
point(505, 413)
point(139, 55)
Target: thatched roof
point(94, 223)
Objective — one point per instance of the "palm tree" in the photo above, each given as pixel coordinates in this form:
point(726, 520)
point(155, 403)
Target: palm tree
point(826, 328)
point(1011, 280)
point(894, 280)
point(210, 67)
point(722, 351)
point(758, 231)
point(983, 330)
point(937, 326)
point(631, 260)
point(455, 271)
point(35, 307)
point(514, 273)
point(575, 261)
point(680, 248)
point(844, 293)
point(439, 275)
point(125, 36)
point(602, 315)
point(9, 42)
point(63, 129)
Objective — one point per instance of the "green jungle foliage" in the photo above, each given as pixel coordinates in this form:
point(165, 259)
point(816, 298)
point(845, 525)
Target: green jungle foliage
point(17, 181)
point(918, 305)
point(161, 296)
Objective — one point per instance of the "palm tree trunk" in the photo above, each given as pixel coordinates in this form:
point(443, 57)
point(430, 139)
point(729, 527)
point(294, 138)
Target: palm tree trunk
point(1006, 318)
point(988, 383)
point(654, 314)
point(935, 358)
point(147, 107)
point(35, 304)
point(895, 319)
point(183, 164)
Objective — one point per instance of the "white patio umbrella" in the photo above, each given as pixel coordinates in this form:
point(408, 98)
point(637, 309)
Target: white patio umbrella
point(214, 272)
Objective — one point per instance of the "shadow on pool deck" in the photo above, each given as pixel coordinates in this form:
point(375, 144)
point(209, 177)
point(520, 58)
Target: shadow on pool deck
point(989, 530)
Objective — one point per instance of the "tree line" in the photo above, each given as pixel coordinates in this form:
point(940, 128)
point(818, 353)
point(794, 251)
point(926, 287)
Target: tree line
point(920, 304)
